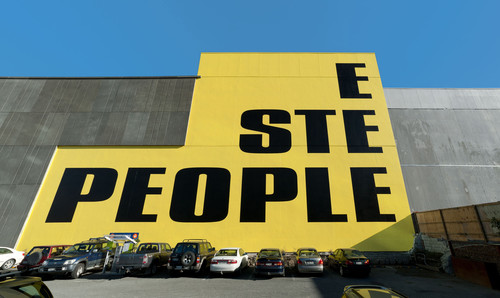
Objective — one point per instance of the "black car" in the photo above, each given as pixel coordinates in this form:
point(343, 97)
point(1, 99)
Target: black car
point(349, 260)
point(270, 261)
point(191, 255)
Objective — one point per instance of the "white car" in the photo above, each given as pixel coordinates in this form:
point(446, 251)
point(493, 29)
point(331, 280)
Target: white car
point(229, 260)
point(10, 257)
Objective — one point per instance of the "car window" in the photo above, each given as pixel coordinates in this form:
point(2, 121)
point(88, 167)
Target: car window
point(226, 252)
point(42, 250)
point(269, 253)
point(353, 254)
point(308, 253)
point(168, 246)
point(37, 289)
point(183, 247)
point(80, 248)
point(203, 249)
point(5, 251)
point(242, 252)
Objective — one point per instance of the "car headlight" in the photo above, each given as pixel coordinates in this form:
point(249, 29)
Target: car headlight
point(45, 263)
point(69, 262)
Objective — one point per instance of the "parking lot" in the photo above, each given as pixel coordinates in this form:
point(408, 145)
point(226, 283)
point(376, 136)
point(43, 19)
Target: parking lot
point(411, 281)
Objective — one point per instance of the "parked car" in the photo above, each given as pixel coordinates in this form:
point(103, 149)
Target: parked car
point(309, 261)
point(38, 254)
point(191, 255)
point(24, 286)
point(270, 261)
point(359, 291)
point(147, 257)
point(10, 257)
point(348, 260)
point(229, 260)
point(82, 257)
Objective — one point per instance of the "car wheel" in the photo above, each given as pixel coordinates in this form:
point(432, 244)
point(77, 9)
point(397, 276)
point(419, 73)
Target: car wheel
point(8, 264)
point(188, 258)
point(341, 271)
point(34, 258)
point(78, 271)
point(153, 269)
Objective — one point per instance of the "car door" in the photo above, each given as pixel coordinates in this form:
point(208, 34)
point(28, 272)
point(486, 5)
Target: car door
point(97, 256)
point(336, 258)
point(5, 254)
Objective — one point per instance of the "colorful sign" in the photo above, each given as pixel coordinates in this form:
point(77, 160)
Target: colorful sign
point(282, 150)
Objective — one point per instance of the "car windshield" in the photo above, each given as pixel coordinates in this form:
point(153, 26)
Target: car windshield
point(269, 253)
point(42, 250)
point(79, 248)
point(353, 254)
point(226, 252)
point(308, 253)
point(182, 248)
point(147, 247)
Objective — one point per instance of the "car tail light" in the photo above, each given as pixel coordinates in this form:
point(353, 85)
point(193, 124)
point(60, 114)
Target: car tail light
point(260, 264)
point(367, 262)
point(214, 262)
point(145, 259)
point(232, 261)
point(349, 262)
point(197, 260)
point(299, 262)
point(320, 262)
point(278, 263)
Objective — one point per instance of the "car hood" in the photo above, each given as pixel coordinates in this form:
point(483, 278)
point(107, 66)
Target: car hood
point(67, 257)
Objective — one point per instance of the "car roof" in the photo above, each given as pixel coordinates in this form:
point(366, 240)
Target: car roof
point(307, 248)
point(230, 248)
point(270, 249)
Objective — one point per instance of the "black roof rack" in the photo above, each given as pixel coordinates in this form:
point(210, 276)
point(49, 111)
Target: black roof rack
point(194, 240)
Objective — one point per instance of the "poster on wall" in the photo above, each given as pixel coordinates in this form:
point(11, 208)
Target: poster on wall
point(282, 150)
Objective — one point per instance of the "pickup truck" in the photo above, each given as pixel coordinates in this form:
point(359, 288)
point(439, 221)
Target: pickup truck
point(147, 257)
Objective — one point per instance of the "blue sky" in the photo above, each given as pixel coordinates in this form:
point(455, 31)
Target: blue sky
point(439, 43)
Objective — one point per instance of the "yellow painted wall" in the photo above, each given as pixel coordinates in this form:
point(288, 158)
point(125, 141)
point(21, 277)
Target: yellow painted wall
point(231, 84)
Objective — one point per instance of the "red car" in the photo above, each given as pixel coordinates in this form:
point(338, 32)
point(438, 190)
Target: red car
point(38, 254)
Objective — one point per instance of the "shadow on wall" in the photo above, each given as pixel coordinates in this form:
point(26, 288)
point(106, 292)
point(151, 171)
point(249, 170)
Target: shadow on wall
point(394, 236)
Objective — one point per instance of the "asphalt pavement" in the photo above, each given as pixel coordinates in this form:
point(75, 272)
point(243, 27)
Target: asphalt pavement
point(411, 281)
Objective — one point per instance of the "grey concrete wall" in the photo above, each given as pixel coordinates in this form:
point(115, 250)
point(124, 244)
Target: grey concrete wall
point(448, 142)
point(36, 115)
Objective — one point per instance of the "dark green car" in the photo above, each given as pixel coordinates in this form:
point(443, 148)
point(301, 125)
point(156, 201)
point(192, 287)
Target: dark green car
point(24, 286)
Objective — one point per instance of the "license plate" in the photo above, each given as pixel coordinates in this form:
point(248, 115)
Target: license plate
point(359, 263)
point(175, 259)
point(309, 263)
point(269, 264)
point(52, 269)
point(178, 267)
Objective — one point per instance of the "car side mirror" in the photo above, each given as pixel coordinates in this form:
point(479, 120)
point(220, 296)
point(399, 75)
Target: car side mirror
point(212, 249)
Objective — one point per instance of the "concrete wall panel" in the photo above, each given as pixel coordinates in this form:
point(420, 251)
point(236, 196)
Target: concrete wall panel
point(36, 115)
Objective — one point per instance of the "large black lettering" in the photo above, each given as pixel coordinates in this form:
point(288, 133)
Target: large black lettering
point(253, 191)
point(69, 193)
point(365, 195)
point(134, 195)
point(216, 204)
point(316, 130)
point(319, 206)
point(355, 131)
point(280, 139)
point(348, 81)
